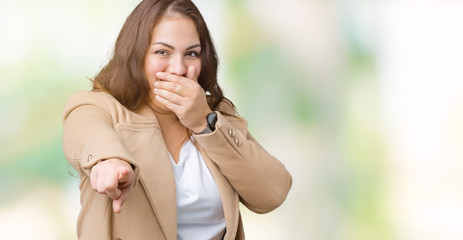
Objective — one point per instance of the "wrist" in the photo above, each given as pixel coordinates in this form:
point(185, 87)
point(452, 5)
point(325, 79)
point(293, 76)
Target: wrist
point(205, 131)
point(201, 128)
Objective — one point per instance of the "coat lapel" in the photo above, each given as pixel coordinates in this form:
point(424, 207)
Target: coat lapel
point(230, 201)
point(156, 174)
point(157, 178)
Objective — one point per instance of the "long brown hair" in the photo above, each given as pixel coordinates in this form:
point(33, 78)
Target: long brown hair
point(124, 76)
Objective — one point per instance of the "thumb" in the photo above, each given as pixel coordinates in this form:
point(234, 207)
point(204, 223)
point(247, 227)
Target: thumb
point(191, 72)
point(126, 178)
point(124, 175)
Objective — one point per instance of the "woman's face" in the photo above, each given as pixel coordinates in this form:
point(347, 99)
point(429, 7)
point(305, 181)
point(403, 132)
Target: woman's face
point(174, 47)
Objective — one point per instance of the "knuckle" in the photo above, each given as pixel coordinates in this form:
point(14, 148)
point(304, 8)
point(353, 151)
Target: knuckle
point(166, 86)
point(124, 170)
point(172, 77)
point(100, 189)
point(170, 95)
point(111, 186)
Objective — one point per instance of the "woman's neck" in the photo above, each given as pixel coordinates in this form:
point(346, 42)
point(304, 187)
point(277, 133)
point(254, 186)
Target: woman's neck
point(173, 132)
point(164, 117)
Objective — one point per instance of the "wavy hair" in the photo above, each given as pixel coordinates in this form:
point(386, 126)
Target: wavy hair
point(124, 75)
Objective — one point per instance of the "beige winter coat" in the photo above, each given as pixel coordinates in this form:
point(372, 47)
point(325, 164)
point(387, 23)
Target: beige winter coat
point(98, 127)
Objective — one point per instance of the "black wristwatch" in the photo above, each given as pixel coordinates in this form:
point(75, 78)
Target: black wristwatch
point(211, 120)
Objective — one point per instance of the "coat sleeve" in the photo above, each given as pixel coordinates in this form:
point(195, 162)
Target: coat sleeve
point(260, 179)
point(89, 135)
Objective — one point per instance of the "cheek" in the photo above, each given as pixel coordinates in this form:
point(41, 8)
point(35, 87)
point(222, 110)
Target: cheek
point(198, 69)
point(152, 66)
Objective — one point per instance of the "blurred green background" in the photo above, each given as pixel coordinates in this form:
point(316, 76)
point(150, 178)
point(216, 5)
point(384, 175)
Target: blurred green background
point(361, 100)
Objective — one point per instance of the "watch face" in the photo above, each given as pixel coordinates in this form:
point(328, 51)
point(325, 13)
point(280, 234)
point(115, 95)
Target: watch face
point(211, 120)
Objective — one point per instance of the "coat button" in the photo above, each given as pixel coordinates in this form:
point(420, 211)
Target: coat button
point(237, 141)
point(231, 133)
point(89, 157)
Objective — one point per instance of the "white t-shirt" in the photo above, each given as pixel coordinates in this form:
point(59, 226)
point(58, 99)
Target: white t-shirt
point(199, 206)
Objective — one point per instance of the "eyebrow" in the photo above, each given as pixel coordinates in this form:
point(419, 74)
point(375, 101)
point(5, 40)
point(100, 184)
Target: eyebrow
point(172, 47)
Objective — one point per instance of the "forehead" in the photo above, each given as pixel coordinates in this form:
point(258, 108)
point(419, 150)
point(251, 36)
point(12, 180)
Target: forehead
point(175, 28)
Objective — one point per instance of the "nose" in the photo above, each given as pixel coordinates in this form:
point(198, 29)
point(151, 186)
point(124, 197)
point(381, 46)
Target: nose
point(177, 66)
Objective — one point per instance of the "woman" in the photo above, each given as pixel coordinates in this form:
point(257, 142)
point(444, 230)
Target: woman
point(160, 151)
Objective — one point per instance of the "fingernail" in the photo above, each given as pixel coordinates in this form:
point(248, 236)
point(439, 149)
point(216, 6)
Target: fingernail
point(159, 74)
point(156, 83)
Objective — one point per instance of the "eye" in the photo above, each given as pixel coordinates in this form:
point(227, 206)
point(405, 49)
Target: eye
point(161, 52)
point(192, 54)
